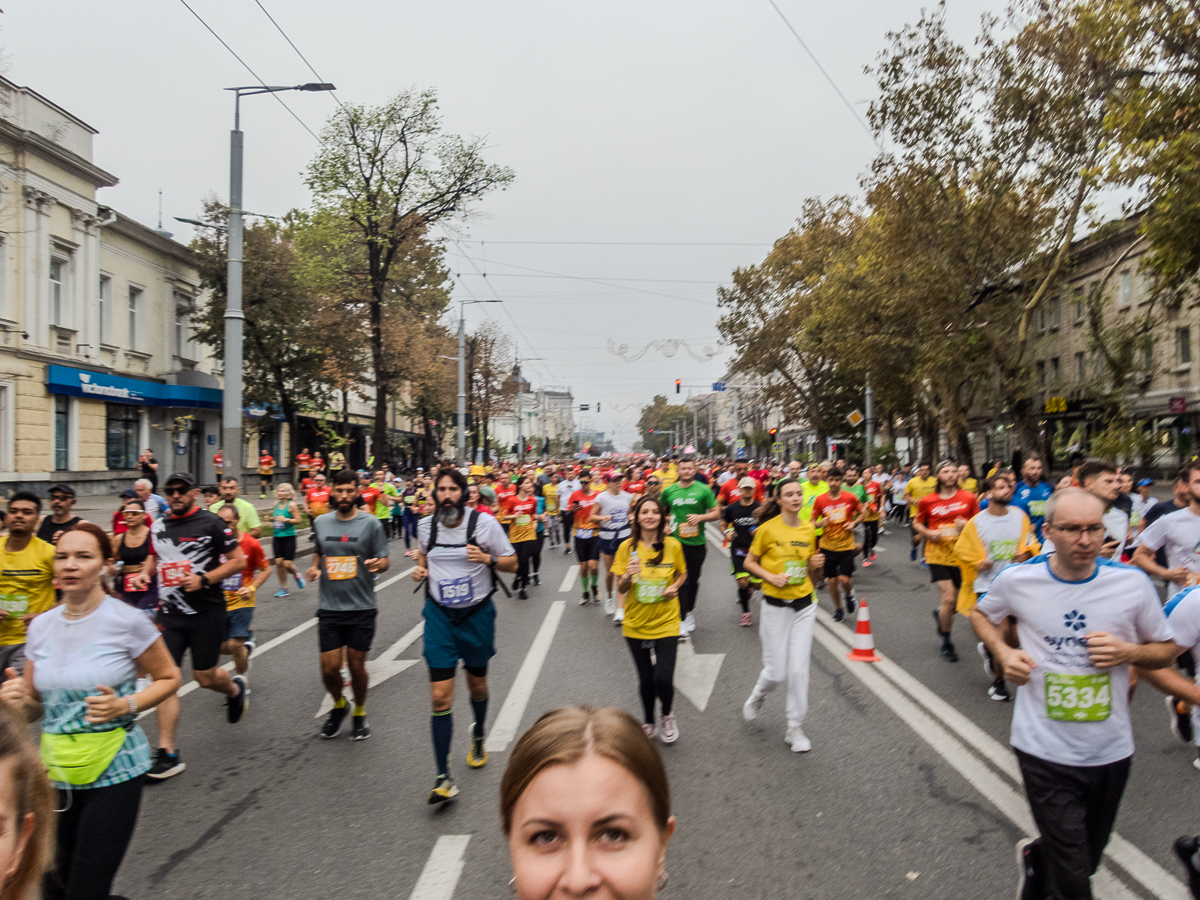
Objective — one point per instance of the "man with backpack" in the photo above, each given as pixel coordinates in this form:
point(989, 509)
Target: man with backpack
point(459, 552)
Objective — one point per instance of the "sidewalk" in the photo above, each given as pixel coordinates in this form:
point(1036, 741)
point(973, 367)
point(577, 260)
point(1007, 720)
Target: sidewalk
point(99, 509)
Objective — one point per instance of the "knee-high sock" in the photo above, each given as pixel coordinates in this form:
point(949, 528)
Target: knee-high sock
point(744, 598)
point(443, 732)
point(479, 707)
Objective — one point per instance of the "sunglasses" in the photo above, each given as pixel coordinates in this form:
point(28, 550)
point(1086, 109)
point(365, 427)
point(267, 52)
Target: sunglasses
point(176, 491)
point(133, 512)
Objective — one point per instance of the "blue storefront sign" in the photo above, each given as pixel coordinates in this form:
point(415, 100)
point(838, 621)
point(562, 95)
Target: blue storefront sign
point(116, 389)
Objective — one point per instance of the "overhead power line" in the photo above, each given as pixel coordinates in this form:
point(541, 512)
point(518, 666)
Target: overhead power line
point(246, 66)
point(634, 243)
point(292, 44)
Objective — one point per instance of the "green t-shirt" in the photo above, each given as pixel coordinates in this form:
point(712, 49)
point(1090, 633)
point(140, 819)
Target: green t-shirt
point(382, 510)
point(693, 500)
point(860, 492)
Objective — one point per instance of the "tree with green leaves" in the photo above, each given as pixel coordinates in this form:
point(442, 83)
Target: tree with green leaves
point(656, 421)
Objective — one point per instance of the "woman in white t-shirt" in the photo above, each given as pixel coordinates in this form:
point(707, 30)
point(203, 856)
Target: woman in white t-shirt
point(82, 661)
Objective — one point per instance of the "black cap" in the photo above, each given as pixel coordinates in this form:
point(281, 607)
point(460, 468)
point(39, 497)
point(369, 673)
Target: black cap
point(129, 494)
point(62, 489)
point(185, 477)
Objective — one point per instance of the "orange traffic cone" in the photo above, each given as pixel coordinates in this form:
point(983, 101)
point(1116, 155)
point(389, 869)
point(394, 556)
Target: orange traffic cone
point(864, 641)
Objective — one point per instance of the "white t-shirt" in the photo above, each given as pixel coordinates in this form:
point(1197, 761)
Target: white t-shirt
point(724, 477)
point(1001, 536)
point(453, 580)
point(1116, 525)
point(1052, 616)
point(1179, 533)
point(899, 483)
point(565, 490)
point(617, 506)
point(1183, 615)
point(100, 648)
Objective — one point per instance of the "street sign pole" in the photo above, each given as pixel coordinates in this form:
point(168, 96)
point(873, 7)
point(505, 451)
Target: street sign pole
point(870, 449)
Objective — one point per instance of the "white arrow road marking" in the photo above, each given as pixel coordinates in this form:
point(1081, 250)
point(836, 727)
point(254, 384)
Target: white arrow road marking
point(509, 721)
point(696, 674)
point(568, 581)
point(384, 666)
point(442, 869)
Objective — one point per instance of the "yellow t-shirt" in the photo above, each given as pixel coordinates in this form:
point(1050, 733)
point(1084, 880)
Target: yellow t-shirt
point(669, 477)
point(550, 492)
point(26, 586)
point(810, 492)
point(969, 484)
point(918, 488)
point(648, 616)
point(781, 549)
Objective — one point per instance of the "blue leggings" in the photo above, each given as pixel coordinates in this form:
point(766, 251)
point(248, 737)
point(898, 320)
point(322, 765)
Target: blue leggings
point(410, 527)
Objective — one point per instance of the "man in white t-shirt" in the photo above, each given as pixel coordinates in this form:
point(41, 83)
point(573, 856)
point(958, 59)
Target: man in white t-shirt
point(1179, 534)
point(1100, 479)
point(611, 513)
point(1082, 622)
point(569, 485)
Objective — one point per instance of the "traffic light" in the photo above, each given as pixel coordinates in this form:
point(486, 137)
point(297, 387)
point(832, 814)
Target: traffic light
point(678, 384)
point(597, 406)
point(773, 433)
point(514, 449)
point(529, 448)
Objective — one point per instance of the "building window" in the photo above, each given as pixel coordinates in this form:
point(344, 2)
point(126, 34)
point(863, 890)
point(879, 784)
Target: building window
point(135, 309)
point(1055, 313)
point(183, 344)
point(1081, 366)
point(1054, 372)
point(62, 432)
point(121, 433)
point(1183, 340)
point(1077, 304)
point(1148, 359)
point(1039, 319)
point(105, 304)
point(1041, 373)
point(1125, 289)
point(56, 291)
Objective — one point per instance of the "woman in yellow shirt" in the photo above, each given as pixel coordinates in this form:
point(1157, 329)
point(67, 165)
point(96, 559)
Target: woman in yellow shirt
point(783, 551)
point(650, 569)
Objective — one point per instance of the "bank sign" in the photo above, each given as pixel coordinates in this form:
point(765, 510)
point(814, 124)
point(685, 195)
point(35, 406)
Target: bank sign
point(116, 389)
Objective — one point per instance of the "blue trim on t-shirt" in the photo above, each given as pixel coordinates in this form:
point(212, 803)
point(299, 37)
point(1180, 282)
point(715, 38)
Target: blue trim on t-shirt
point(1174, 601)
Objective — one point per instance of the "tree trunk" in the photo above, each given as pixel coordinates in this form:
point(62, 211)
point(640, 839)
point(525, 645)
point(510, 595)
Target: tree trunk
point(962, 448)
point(379, 431)
point(1028, 433)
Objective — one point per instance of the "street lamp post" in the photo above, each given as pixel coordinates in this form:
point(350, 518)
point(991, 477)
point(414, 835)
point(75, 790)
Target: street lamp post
point(520, 436)
point(462, 378)
point(231, 407)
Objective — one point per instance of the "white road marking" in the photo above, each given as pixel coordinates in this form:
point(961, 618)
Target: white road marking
point(442, 869)
point(1157, 880)
point(568, 581)
point(696, 673)
point(384, 666)
point(508, 723)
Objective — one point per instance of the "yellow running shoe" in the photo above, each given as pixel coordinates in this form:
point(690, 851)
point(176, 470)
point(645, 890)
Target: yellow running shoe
point(443, 791)
point(477, 755)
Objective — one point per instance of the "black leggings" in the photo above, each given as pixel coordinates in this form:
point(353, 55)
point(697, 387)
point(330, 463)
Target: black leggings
point(535, 558)
point(870, 538)
point(94, 831)
point(655, 678)
point(693, 557)
point(525, 551)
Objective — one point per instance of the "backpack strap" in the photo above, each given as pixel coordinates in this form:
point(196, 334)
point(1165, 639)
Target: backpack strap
point(432, 534)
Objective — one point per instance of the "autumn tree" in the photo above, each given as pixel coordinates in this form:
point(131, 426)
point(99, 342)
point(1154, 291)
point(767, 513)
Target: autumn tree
point(656, 421)
point(491, 389)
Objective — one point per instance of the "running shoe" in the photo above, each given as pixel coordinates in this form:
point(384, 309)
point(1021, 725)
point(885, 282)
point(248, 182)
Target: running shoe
point(477, 756)
point(797, 741)
point(619, 617)
point(537, 579)
point(747, 620)
point(838, 615)
point(359, 729)
point(982, 650)
point(753, 706)
point(1185, 849)
point(610, 605)
point(949, 654)
point(1181, 720)
point(866, 563)
point(567, 550)
point(595, 594)
point(689, 622)
point(669, 731)
point(166, 765)
point(521, 595)
point(235, 707)
point(300, 582)
point(585, 600)
point(444, 790)
point(851, 604)
point(250, 645)
point(282, 592)
point(334, 721)
point(1032, 885)
point(998, 691)
point(648, 727)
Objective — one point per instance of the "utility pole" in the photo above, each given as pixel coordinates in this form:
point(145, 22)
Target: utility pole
point(736, 427)
point(870, 448)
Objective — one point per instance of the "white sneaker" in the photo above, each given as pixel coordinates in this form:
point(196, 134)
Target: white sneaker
point(796, 740)
point(610, 605)
point(689, 623)
point(753, 706)
point(668, 731)
point(619, 617)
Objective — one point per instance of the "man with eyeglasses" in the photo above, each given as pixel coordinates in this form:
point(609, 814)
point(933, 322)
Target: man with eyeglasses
point(1082, 621)
point(62, 505)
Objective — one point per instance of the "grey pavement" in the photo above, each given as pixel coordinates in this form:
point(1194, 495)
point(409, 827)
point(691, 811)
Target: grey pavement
point(896, 799)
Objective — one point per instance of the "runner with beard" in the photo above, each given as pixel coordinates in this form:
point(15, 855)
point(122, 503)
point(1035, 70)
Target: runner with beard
point(458, 555)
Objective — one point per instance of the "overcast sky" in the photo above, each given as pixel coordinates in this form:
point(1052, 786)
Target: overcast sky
point(629, 125)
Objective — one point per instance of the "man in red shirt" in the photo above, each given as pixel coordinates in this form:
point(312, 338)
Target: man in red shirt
point(940, 519)
point(266, 473)
point(730, 493)
point(369, 494)
point(836, 514)
point(587, 543)
point(303, 459)
point(240, 589)
point(316, 500)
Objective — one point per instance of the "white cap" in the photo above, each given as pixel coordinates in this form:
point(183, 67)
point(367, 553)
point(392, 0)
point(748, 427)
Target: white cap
point(748, 482)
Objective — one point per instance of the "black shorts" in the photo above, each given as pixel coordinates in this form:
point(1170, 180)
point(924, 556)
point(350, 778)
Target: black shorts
point(945, 573)
point(839, 563)
point(202, 632)
point(338, 628)
point(283, 547)
point(587, 549)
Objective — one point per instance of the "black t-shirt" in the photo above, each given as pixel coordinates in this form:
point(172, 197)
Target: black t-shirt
point(50, 531)
point(741, 517)
point(146, 470)
point(191, 544)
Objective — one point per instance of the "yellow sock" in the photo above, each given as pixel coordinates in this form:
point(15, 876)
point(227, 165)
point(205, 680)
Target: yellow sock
point(339, 703)
point(359, 710)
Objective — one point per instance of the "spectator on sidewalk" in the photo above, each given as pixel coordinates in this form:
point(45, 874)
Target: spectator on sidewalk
point(149, 467)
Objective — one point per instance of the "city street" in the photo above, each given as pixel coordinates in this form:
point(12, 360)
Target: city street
point(910, 789)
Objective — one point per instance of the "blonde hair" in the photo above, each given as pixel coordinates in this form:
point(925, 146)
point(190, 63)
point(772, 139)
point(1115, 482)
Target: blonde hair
point(288, 490)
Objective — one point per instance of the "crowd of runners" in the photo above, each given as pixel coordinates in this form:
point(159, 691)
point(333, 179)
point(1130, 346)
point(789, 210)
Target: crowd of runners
point(1073, 593)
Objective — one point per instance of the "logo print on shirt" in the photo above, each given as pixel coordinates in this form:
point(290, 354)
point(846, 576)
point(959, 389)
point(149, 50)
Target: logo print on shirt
point(1075, 620)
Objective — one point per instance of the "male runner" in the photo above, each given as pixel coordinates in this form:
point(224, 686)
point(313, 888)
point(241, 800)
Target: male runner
point(230, 491)
point(240, 591)
point(940, 519)
point(1101, 479)
point(691, 505)
point(836, 513)
point(303, 459)
point(1082, 621)
point(740, 521)
point(196, 552)
point(156, 507)
point(316, 500)
point(587, 546)
point(568, 486)
point(1032, 493)
point(266, 473)
point(811, 489)
point(611, 513)
point(349, 550)
point(921, 485)
point(388, 495)
point(61, 518)
point(26, 577)
point(1177, 533)
point(458, 555)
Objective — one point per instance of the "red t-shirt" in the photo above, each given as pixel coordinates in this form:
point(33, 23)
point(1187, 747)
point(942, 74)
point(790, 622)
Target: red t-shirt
point(503, 492)
point(731, 493)
point(370, 497)
point(218, 460)
point(840, 511)
point(256, 558)
point(874, 496)
point(635, 487)
point(520, 515)
point(266, 461)
point(318, 501)
point(317, 464)
point(303, 459)
point(583, 500)
point(119, 526)
point(941, 515)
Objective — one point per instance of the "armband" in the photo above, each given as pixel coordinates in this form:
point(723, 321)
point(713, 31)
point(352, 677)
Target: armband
point(133, 706)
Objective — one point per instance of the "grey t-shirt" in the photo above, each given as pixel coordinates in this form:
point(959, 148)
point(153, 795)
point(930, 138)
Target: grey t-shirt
point(346, 584)
point(617, 506)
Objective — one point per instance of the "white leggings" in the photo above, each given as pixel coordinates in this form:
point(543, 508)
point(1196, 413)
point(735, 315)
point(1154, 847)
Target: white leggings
point(786, 637)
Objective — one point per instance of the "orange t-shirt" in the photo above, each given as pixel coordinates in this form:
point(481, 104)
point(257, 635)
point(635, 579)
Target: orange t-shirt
point(839, 512)
point(583, 500)
point(941, 516)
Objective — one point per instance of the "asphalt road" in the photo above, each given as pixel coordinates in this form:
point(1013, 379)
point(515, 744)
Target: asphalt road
point(910, 789)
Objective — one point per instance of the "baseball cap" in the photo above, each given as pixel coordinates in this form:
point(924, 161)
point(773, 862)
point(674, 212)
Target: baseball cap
point(62, 489)
point(747, 482)
point(615, 476)
point(183, 477)
point(129, 494)
point(1145, 482)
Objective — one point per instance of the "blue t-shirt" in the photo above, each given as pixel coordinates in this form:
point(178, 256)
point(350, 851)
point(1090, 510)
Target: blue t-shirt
point(1033, 501)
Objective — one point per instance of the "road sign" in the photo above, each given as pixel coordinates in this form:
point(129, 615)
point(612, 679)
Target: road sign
point(718, 386)
point(777, 447)
point(740, 446)
point(855, 418)
point(1177, 405)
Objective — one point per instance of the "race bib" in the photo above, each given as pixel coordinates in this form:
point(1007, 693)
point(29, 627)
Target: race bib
point(688, 531)
point(280, 526)
point(457, 591)
point(795, 570)
point(127, 584)
point(1002, 551)
point(1078, 698)
point(522, 521)
point(173, 573)
point(341, 568)
point(1037, 509)
point(619, 518)
point(14, 604)
point(651, 590)
point(232, 584)
point(1193, 579)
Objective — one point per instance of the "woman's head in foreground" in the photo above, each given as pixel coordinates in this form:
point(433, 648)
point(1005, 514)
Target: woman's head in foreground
point(586, 808)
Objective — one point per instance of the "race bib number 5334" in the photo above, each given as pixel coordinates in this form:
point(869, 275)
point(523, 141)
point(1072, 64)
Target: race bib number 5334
point(1078, 698)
